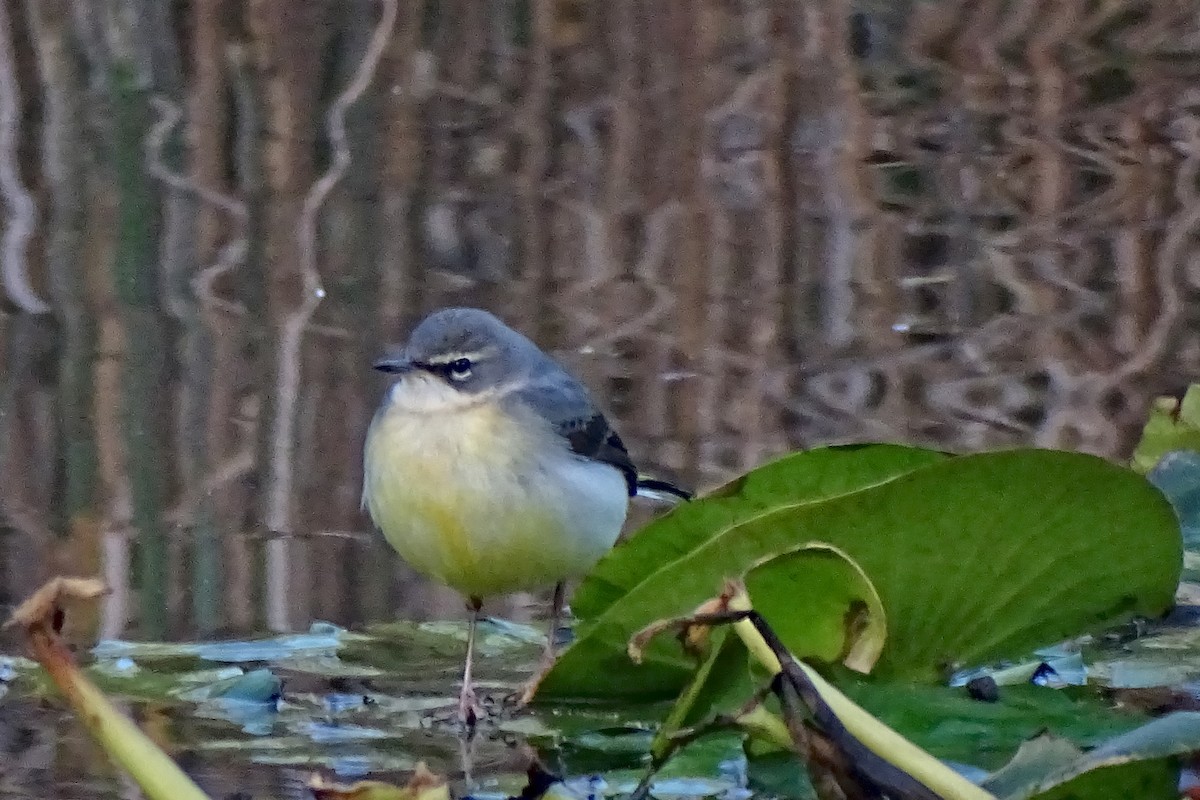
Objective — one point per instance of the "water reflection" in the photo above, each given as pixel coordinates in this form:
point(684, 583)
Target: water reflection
point(748, 229)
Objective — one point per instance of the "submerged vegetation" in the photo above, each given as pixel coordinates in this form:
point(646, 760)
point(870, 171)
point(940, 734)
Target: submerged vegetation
point(850, 622)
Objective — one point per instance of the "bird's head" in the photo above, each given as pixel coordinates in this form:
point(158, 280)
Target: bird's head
point(458, 355)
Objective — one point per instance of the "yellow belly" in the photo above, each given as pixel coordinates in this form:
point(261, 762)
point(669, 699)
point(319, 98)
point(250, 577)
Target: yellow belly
point(485, 503)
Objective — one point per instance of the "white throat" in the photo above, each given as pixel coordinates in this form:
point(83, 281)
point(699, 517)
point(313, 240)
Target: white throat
point(418, 393)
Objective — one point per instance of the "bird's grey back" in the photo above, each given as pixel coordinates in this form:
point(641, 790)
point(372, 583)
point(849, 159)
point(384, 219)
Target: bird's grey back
point(539, 383)
point(565, 403)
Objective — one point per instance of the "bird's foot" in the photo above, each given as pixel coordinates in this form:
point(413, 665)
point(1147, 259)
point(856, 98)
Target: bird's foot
point(469, 709)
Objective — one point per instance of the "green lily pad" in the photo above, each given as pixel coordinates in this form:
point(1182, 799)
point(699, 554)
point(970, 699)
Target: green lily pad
point(1177, 474)
point(780, 774)
point(842, 617)
point(842, 621)
point(1143, 763)
point(953, 727)
point(796, 479)
point(1036, 758)
point(256, 686)
point(975, 558)
point(322, 637)
point(721, 683)
point(1173, 425)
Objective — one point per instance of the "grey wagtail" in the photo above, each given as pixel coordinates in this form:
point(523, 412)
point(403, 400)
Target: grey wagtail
point(489, 468)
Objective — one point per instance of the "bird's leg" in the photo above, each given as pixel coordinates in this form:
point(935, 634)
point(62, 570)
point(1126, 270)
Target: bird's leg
point(468, 707)
point(526, 692)
point(466, 756)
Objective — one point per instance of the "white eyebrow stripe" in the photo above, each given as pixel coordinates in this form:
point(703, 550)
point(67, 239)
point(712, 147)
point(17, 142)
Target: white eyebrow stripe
point(472, 355)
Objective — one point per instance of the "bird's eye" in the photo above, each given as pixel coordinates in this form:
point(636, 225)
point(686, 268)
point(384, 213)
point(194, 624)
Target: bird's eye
point(459, 369)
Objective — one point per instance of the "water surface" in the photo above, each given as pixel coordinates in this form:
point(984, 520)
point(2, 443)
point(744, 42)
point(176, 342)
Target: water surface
point(748, 228)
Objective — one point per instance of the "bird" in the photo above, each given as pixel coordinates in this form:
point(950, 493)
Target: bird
point(490, 468)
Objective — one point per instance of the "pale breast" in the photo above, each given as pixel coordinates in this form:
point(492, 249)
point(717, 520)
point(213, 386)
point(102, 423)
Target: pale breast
point(486, 502)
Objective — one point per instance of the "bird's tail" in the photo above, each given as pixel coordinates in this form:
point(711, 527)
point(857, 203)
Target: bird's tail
point(663, 491)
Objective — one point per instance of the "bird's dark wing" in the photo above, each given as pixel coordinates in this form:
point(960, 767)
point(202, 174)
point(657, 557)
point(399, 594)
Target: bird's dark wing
point(566, 405)
point(594, 439)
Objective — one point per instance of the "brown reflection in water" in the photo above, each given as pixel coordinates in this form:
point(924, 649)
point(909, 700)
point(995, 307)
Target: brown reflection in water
point(748, 231)
point(750, 227)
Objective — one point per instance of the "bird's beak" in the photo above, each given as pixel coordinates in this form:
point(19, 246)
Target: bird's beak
point(394, 365)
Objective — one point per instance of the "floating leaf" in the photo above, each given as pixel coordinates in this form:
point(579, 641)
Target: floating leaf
point(322, 637)
point(720, 684)
point(1173, 425)
point(843, 744)
point(949, 723)
point(824, 605)
point(1142, 763)
point(1034, 760)
point(1177, 474)
point(975, 558)
point(417, 650)
point(249, 701)
point(780, 774)
point(848, 752)
point(258, 686)
point(840, 618)
point(794, 480)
